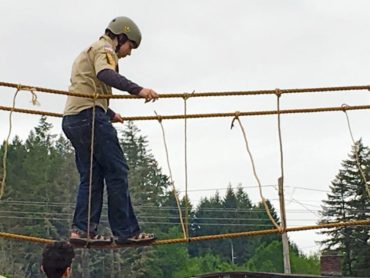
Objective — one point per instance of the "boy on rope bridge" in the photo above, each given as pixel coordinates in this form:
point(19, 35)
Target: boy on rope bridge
point(57, 260)
point(95, 71)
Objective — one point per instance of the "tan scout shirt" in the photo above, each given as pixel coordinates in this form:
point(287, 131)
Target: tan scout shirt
point(100, 55)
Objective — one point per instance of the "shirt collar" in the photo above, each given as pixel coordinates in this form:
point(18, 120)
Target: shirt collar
point(107, 39)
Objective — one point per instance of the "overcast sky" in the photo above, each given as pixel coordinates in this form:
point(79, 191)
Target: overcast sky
point(211, 45)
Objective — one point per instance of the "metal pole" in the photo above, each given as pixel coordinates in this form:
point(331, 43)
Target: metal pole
point(284, 235)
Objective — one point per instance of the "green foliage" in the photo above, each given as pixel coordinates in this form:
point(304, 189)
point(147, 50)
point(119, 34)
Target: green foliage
point(302, 264)
point(268, 258)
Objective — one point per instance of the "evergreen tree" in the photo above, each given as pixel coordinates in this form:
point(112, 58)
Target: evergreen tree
point(231, 214)
point(348, 200)
point(40, 184)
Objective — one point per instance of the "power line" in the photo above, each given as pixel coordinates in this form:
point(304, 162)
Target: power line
point(141, 222)
point(50, 215)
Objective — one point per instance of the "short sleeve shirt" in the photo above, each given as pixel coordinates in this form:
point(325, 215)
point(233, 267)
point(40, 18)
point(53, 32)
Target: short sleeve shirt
point(99, 56)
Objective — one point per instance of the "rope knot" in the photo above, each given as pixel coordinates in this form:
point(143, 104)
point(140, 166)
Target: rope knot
point(96, 96)
point(34, 96)
point(278, 92)
point(159, 117)
point(281, 230)
point(236, 117)
point(344, 107)
point(186, 96)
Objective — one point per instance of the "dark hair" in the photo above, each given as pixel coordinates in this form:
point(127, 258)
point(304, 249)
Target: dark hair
point(121, 38)
point(56, 258)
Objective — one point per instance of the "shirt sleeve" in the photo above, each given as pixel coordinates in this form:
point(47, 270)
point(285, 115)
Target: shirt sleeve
point(115, 80)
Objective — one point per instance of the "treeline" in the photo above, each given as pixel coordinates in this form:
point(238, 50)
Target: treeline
point(40, 197)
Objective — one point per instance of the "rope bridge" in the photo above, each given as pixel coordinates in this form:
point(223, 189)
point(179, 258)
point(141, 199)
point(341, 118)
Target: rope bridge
point(203, 238)
point(185, 96)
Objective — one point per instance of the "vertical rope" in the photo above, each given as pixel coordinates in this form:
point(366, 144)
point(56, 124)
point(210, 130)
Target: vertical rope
point(278, 95)
point(6, 143)
point(186, 168)
point(91, 171)
point(254, 170)
point(96, 96)
point(171, 179)
point(356, 152)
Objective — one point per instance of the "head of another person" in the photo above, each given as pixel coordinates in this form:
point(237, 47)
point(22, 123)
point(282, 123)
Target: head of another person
point(125, 33)
point(57, 260)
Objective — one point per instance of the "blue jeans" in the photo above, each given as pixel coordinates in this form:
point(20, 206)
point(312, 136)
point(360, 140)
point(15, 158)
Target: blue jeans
point(109, 166)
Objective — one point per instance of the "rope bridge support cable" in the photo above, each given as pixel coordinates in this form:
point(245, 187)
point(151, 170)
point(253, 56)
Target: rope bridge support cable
point(201, 94)
point(210, 115)
point(203, 238)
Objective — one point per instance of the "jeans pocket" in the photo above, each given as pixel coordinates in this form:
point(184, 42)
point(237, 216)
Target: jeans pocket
point(78, 131)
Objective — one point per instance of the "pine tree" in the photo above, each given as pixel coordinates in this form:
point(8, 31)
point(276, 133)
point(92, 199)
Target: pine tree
point(41, 182)
point(230, 214)
point(348, 200)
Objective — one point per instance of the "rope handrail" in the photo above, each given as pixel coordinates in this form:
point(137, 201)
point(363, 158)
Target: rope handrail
point(200, 94)
point(210, 115)
point(206, 237)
